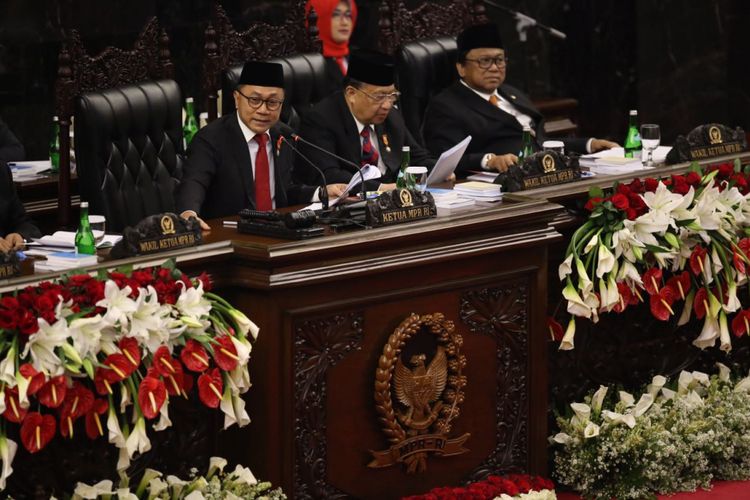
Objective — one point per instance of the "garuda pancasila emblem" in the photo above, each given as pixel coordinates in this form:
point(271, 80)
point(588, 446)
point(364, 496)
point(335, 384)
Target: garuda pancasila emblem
point(417, 398)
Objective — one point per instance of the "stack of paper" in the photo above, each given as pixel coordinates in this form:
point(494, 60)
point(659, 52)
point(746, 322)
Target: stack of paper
point(483, 176)
point(69, 260)
point(448, 198)
point(67, 239)
point(29, 170)
point(480, 191)
point(613, 161)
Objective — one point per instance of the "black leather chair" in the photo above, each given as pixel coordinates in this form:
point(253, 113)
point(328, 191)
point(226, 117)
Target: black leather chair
point(305, 83)
point(129, 150)
point(424, 68)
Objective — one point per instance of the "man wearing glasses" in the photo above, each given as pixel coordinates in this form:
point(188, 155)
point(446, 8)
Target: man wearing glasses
point(361, 124)
point(238, 161)
point(480, 104)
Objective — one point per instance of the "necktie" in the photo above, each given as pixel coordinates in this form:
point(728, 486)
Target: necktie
point(369, 155)
point(262, 175)
point(494, 100)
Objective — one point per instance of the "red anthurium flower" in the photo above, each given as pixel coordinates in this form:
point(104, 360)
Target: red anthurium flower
point(13, 411)
point(117, 367)
point(696, 259)
point(36, 379)
point(661, 303)
point(78, 401)
point(101, 381)
point(52, 394)
point(163, 362)
point(744, 245)
point(741, 323)
point(174, 381)
point(129, 348)
point(37, 430)
point(187, 383)
point(739, 264)
point(680, 284)
point(210, 387)
point(94, 427)
point(700, 303)
point(626, 297)
point(195, 356)
point(652, 280)
point(555, 329)
point(151, 396)
point(225, 353)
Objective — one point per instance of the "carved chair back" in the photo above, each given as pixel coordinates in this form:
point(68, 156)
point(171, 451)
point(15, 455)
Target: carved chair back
point(80, 73)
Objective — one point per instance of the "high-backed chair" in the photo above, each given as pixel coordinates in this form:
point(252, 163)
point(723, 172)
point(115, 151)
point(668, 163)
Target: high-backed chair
point(79, 73)
point(225, 48)
point(305, 83)
point(129, 150)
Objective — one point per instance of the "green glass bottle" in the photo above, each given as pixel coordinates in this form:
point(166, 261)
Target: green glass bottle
point(527, 146)
point(54, 146)
point(190, 128)
point(633, 139)
point(85, 241)
point(402, 181)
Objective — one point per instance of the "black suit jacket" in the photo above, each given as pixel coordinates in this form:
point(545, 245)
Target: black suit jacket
point(334, 76)
point(331, 126)
point(13, 217)
point(458, 111)
point(10, 148)
point(218, 177)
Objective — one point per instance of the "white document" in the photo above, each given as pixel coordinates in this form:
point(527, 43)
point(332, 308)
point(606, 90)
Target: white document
point(448, 162)
point(67, 239)
point(483, 177)
point(369, 172)
point(28, 170)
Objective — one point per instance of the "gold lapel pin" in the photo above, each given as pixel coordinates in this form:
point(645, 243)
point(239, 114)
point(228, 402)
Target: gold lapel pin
point(386, 143)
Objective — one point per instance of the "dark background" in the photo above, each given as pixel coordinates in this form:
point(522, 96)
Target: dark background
point(679, 62)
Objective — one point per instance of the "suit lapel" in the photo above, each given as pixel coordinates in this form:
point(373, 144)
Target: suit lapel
point(242, 161)
point(281, 166)
point(352, 139)
point(521, 103)
point(387, 147)
point(478, 104)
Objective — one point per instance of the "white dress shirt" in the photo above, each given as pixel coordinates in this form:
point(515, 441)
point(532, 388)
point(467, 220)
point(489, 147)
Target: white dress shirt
point(253, 146)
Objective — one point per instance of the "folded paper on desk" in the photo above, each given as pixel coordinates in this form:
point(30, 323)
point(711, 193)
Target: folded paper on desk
point(70, 260)
point(447, 163)
point(369, 172)
point(67, 239)
point(29, 170)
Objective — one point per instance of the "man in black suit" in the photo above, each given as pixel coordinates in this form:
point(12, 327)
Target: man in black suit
point(239, 161)
point(15, 224)
point(493, 113)
point(11, 148)
point(361, 125)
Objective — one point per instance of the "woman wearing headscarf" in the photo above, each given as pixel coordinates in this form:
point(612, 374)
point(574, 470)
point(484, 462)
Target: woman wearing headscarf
point(336, 20)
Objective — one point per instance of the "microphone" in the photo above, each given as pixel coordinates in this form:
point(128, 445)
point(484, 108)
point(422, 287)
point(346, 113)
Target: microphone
point(292, 220)
point(524, 21)
point(297, 138)
point(323, 188)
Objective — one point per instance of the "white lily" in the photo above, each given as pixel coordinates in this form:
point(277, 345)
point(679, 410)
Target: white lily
point(591, 244)
point(147, 323)
point(239, 379)
point(118, 304)
point(656, 384)
point(125, 493)
point(243, 475)
point(743, 385)
point(22, 383)
point(606, 261)
point(709, 333)
point(687, 309)
point(626, 399)
point(568, 341)
point(584, 282)
point(8, 449)
point(684, 381)
point(138, 439)
point(643, 405)
point(233, 407)
point(87, 334)
point(629, 273)
point(663, 200)
point(725, 341)
point(582, 413)
point(124, 400)
point(565, 268)
point(164, 421)
point(195, 495)
point(667, 394)
point(42, 345)
point(115, 435)
point(243, 348)
point(724, 372)
point(700, 379)
point(244, 324)
point(155, 487)
point(624, 241)
point(576, 305)
point(618, 418)
point(562, 438)
point(694, 400)
point(598, 398)
point(192, 303)
point(93, 492)
point(591, 430)
point(733, 304)
point(8, 368)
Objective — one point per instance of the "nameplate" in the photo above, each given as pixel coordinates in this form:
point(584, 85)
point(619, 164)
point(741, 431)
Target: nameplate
point(536, 181)
point(544, 168)
point(707, 141)
point(164, 243)
point(9, 270)
point(399, 206)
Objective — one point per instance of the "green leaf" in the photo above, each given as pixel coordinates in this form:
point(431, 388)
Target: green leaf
point(596, 192)
point(695, 167)
point(656, 249)
point(684, 222)
point(102, 274)
point(127, 270)
point(737, 165)
point(170, 264)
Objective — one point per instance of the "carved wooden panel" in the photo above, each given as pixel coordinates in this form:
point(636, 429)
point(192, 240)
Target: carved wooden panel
point(502, 313)
point(318, 345)
point(399, 25)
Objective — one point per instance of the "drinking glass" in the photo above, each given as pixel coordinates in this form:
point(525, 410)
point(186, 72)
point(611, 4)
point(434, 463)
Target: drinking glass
point(419, 175)
point(650, 139)
point(98, 226)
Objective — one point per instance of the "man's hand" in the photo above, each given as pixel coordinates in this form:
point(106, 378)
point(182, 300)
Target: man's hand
point(13, 241)
point(387, 187)
point(191, 213)
point(451, 178)
point(502, 163)
point(601, 144)
point(335, 190)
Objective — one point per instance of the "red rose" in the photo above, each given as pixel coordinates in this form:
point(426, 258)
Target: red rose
point(620, 201)
point(651, 184)
point(79, 280)
point(592, 203)
point(636, 186)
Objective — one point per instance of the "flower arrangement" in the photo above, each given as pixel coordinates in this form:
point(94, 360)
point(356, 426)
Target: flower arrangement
point(215, 485)
point(110, 351)
point(494, 487)
point(672, 438)
point(682, 240)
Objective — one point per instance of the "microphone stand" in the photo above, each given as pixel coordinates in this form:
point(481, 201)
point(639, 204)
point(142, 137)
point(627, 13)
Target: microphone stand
point(297, 138)
point(524, 22)
point(323, 188)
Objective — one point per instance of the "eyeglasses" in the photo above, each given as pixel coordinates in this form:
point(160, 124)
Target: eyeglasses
point(487, 62)
point(381, 98)
point(346, 14)
point(256, 102)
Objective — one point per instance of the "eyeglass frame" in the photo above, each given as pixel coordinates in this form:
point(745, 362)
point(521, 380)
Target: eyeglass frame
point(496, 61)
point(393, 96)
point(262, 101)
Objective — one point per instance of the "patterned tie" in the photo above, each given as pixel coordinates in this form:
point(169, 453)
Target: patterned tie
point(369, 155)
point(494, 100)
point(262, 175)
